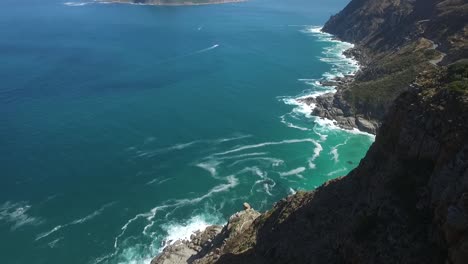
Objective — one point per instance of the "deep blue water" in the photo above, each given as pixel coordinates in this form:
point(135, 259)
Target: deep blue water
point(124, 126)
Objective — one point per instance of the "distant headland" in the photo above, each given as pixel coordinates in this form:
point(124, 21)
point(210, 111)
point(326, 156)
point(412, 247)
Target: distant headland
point(173, 2)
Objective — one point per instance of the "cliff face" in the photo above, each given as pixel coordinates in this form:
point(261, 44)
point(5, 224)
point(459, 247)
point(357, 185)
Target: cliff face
point(407, 201)
point(396, 40)
point(386, 24)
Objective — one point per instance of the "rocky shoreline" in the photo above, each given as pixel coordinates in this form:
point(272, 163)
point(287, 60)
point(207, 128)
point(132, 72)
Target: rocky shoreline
point(208, 244)
point(334, 107)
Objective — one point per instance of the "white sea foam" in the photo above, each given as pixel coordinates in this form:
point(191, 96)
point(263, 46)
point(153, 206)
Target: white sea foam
point(260, 145)
point(75, 222)
point(334, 151)
point(341, 66)
point(54, 243)
point(181, 146)
point(331, 124)
point(183, 231)
point(77, 3)
point(273, 161)
point(335, 172)
point(17, 214)
point(174, 231)
point(222, 140)
point(318, 149)
point(92, 215)
point(267, 183)
point(48, 233)
point(243, 155)
point(323, 137)
point(158, 181)
point(231, 182)
point(291, 125)
point(210, 166)
point(335, 155)
point(292, 172)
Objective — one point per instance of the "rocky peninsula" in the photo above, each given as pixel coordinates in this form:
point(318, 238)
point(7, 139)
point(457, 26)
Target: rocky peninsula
point(407, 201)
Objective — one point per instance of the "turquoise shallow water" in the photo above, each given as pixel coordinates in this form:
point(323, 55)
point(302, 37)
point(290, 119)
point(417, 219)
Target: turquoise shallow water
point(124, 127)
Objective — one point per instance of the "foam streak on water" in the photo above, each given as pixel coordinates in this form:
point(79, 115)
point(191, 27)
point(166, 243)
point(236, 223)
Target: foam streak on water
point(74, 222)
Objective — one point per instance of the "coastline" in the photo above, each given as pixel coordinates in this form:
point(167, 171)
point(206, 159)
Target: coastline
point(163, 3)
point(209, 243)
point(334, 107)
point(329, 106)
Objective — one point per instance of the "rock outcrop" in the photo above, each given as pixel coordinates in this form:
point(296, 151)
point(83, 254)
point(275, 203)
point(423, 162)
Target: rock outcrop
point(210, 243)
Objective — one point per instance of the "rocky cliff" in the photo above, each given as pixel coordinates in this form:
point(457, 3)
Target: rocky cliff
point(407, 201)
point(395, 40)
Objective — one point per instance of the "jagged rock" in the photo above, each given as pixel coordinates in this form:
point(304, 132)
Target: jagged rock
point(205, 246)
point(247, 206)
point(366, 125)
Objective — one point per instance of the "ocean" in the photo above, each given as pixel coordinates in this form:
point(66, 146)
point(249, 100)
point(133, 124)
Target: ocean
point(126, 127)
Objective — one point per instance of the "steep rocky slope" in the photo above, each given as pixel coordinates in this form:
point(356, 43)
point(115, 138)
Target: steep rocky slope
point(407, 201)
point(396, 40)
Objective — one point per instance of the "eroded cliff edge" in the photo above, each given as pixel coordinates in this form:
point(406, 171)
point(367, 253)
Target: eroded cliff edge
point(406, 202)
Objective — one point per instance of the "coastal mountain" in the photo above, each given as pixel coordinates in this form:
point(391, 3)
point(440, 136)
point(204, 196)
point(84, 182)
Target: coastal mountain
point(395, 41)
point(407, 201)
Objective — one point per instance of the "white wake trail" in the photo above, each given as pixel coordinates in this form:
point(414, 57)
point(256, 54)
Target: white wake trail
point(207, 49)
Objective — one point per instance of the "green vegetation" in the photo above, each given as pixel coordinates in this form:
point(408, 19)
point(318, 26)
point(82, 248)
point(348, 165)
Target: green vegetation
point(457, 77)
point(388, 77)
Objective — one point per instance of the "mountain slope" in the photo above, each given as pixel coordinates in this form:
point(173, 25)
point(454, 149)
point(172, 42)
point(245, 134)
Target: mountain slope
point(396, 40)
